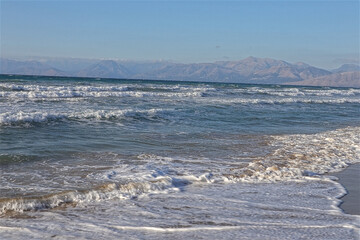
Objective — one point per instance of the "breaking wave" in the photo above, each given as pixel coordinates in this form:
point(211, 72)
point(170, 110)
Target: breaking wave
point(281, 101)
point(302, 155)
point(298, 156)
point(14, 118)
point(17, 92)
point(38, 92)
point(153, 185)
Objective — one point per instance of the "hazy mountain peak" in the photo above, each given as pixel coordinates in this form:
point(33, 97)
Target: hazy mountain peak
point(108, 62)
point(302, 64)
point(265, 62)
point(105, 69)
point(251, 59)
point(347, 68)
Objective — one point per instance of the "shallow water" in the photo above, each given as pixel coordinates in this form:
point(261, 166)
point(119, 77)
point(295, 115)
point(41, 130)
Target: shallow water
point(349, 178)
point(152, 159)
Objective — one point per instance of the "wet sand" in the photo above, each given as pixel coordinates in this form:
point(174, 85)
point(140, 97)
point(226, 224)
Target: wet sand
point(350, 179)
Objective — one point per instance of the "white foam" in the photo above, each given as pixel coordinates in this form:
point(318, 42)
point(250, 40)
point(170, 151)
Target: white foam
point(36, 117)
point(206, 94)
point(122, 182)
point(192, 229)
point(241, 100)
point(15, 117)
point(40, 92)
point(297, 156)
point(101, 193)
point(49, 88)
point(293, 92)
point(302, 155)
point(245, 226)
point(240, 211)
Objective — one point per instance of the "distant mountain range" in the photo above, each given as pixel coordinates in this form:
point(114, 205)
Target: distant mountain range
point(343, 79)
point(28, 68)
point(248, 70)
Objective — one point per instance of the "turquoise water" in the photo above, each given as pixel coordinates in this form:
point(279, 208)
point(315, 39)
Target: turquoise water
point(70, 144)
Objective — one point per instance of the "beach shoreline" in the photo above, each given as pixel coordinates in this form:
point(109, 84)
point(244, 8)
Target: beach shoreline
point(349, 178)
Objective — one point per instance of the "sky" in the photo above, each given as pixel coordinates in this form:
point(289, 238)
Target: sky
point(322, 33)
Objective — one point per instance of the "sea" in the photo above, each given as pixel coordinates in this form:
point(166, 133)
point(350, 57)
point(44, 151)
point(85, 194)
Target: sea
point(91, 158)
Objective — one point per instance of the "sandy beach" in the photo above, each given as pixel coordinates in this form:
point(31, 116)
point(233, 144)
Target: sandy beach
point(349, 178)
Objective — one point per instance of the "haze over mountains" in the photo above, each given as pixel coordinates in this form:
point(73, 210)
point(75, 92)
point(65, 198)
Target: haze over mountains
point(248, 70)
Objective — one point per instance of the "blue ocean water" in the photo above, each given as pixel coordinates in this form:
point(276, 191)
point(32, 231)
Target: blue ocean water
point(142, 158)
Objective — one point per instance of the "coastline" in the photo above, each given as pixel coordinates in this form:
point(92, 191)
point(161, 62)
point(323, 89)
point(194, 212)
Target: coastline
point(349, 178)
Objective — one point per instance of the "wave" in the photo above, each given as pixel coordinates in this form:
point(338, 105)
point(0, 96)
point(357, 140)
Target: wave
point(298, 156)
point(281, 101)
point(297, 92)
point(102, 88)
point(44, 95)
point(20, 117)
point(113, 190)
point(303, 155)
point(240, 95)
point(36, 92)
point(42, 88)
point(33, 117)
point(195, 96)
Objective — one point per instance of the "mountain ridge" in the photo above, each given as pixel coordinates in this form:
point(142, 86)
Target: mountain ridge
point(248, 70)
point(339, 79)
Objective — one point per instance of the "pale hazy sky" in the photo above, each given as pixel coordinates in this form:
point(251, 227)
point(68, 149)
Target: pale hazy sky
point(321, 33)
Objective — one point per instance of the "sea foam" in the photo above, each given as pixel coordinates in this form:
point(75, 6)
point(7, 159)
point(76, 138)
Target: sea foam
point(20, 117)
point(302, 155)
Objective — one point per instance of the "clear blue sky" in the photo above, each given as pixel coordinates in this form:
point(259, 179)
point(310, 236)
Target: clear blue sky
point(322, 33)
